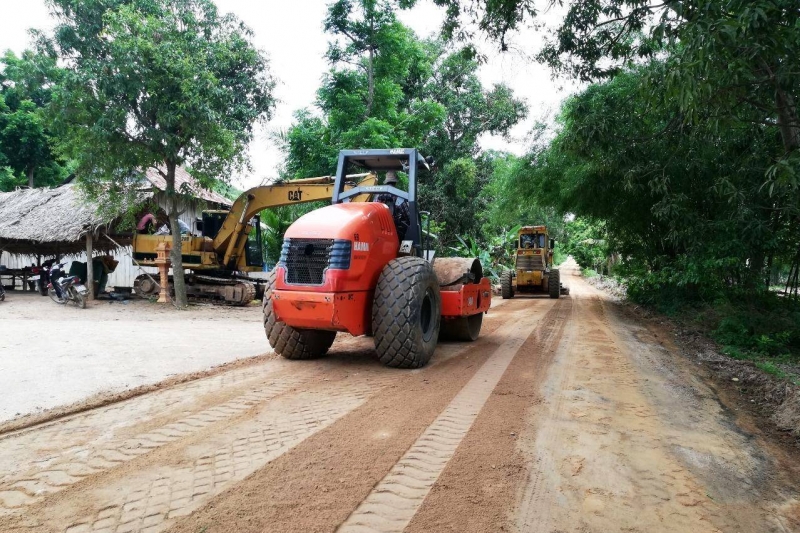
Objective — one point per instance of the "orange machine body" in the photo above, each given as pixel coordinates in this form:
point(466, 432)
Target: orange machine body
point(467, 300)
point(342, 301)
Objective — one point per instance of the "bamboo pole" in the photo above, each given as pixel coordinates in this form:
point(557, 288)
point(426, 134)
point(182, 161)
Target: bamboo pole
point(90, 265)
point(134, 260)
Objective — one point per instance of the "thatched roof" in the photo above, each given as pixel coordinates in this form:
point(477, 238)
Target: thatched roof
point(52, 220)
point(184, 180)
point(56, 221)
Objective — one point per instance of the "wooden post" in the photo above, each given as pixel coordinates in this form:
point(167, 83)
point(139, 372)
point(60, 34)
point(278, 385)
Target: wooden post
point(89, 266)
point(162, 260)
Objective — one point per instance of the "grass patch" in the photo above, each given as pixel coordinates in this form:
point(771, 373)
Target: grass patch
point(589, 272)
point(770, 368)
point(762, 327)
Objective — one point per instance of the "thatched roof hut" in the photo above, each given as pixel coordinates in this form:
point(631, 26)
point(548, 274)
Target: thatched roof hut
point(49, 221)
point(58, 221)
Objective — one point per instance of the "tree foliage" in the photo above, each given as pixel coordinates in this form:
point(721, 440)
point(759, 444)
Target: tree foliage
point(26, 143)
point(388, 88)
point(688, 198)
point(156, 84)
point(372, 95)
point(723, 53)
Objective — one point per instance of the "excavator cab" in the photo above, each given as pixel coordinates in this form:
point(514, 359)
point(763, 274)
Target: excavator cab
point(354, 266)
point(254, 246)
point(212, 222)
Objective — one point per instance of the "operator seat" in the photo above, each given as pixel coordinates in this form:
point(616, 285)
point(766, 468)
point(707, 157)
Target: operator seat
point(398, 208)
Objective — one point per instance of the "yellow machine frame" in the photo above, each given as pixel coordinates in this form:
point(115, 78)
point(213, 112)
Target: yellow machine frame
point(533, 265)
point(532, 261)
point(226, 250)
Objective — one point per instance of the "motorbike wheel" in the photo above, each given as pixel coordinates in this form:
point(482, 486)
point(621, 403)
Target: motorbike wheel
point(77, 298)
point(53, 296)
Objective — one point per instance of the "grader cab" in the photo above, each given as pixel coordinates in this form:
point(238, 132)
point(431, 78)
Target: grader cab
point(533, 265)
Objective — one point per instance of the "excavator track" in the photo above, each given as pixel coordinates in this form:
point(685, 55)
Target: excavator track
point(205, 289)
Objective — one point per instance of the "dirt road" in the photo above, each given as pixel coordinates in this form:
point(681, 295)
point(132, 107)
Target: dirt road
point(565, 416)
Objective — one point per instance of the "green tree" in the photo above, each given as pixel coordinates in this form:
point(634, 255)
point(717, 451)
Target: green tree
point(156, 84)
point(26, 144)
point(725, 53)
point(509, 202)
point(686, 205)
point(371, 97)
point(454, 192)
point(387, 88)
point(729, 65)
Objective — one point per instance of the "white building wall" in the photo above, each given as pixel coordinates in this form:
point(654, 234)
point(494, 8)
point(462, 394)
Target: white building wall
point(191, 212)
point(122, 276)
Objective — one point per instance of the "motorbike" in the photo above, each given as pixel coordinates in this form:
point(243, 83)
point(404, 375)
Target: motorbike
point(40, 279)
point(63, 289)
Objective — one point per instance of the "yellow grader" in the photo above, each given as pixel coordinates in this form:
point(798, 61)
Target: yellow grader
point(533, 265)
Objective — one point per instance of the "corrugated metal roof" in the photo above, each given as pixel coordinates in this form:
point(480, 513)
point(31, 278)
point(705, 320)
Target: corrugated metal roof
point(183, 178)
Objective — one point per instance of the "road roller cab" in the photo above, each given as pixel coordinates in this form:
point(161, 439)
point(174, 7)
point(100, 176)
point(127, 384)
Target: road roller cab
point(367, 268)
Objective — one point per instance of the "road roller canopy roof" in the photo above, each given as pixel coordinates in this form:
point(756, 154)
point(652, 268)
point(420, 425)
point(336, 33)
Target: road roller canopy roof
point(407, 160)
point(384, 159)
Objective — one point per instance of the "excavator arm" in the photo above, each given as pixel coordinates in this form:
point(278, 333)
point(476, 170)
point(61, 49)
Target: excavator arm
point(230, 241)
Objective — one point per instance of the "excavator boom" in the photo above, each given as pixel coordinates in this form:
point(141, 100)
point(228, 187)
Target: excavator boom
point(216, 263)
point(230, 241)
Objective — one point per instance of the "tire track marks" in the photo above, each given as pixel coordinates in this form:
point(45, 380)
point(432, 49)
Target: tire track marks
point(183, 480)
point(95, 448)
point(393, 502)
point(44, 443)
point(71, 468)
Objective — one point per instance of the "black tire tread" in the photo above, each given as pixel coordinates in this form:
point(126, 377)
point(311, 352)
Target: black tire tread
point(554, 283)
point(289, 342)
point(395, 317)
point(506, 285)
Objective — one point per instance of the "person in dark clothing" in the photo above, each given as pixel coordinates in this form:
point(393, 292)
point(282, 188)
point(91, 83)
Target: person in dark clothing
point(56, 273)
point(398, 207)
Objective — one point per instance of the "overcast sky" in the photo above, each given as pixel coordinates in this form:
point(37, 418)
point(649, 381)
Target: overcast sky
point(291, 33)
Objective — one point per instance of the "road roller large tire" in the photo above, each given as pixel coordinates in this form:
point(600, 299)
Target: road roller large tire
point(466, 328)
point(554, 283)
point(289, 342)
point(506, 285)
point(406, 313)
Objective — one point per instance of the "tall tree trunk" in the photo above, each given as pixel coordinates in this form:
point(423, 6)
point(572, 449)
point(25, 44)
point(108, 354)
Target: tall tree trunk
point(788, 121)
point(90, 265)
point(371, 82)
point(178, 280)
point(769, 271)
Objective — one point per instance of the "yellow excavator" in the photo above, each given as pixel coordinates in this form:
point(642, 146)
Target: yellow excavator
point(230, 242)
